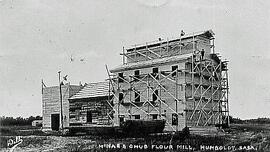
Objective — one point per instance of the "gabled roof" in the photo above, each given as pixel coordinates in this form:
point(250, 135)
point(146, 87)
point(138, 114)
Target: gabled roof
point(154, 62)
point(92, 90)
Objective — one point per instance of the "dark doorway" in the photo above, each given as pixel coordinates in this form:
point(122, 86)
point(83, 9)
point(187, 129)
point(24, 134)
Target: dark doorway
point(121, 96)
point(89, 117)
point(154, 116)
point(155, 73)
point(137, 96)
point(55, 121)
point(155, 95)
point(137, 116)
point(121, 120)
point(136, 75)
point(174, 119)
point(120, 77)
point(174, 68)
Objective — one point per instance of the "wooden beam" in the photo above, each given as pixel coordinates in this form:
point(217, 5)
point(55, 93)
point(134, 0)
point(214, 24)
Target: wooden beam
point(128, 57)
point(152, 51)
point(143, 55)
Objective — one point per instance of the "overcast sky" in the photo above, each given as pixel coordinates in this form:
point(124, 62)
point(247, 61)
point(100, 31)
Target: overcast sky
point(38, 37)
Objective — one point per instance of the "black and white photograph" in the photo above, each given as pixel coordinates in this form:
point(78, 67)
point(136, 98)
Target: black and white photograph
point(134, 75)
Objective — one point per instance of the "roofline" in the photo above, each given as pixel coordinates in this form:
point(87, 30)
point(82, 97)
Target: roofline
point(70, 85)
point(72, 99)
point(149, 63)
point(93, 83)
point(155, 43)
point(97, 82)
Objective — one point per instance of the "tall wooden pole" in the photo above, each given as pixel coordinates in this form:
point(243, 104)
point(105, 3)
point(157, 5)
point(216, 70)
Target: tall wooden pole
point(176, 96)
point(41, 86)
point(192, 66)
point(61, 102)
point(180, 42)
point(123, 55)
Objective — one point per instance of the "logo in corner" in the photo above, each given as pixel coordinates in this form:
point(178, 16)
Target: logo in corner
point(12, 144)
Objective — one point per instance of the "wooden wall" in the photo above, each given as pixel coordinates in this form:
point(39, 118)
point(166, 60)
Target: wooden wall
point(98, 107)
point(182, 91)
point(171, 49)
point(51, 103)
point(168, 104)
point(165, 50)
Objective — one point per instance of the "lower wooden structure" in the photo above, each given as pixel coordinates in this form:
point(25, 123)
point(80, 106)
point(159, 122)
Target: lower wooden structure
point(51, 106)
point(129, 127)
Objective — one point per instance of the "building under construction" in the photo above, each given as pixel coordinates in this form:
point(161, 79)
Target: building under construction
point(182, 81)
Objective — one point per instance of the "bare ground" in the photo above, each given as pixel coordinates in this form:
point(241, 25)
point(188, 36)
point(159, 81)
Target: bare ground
point(239, 135)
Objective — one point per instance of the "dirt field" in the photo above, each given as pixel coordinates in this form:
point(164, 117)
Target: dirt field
point(240, 137)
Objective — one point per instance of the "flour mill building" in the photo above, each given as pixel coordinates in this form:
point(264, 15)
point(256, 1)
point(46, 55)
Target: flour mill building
point(182, 81)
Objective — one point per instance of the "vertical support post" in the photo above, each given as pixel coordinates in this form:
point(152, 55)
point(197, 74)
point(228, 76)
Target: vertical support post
point(185, 99)
point(123, 55)
point(201, 91)
point(227, 89)
point(130, 91)
point(109, 91)
point(109, 99)
point(118, 102)
point(167, 49)
point(176, 96)
point(160, 50)
point(220, 93)
point(41, 86)
point(148, 97)
point(159, 76)
point(212, 91)
point(192, 66)
point(61, 104)
point(135, 54)
point(180, 42)
point(214, 46)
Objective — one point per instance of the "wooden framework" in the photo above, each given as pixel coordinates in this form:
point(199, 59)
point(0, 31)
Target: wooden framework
point(205, 85)
point(151, 82)
point(209, 92)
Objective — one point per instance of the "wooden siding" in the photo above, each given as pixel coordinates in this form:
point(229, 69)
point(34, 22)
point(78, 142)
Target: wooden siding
point(167, 48)
point(98, 107)
point(51, 103)
point(167, 109)
point(128, 108)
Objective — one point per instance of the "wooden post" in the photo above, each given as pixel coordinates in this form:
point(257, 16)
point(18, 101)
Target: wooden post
point(180, 42)
point(41, 86)
point(123, 55)
point(212, 91)
point(167, 47)
point(176, 96)
point(227, 98)
point(213, 46)
point(185, 99)
point(148, 97)
point(192, 67)
point(61, 104)
point(159, 78)
point(220, 94)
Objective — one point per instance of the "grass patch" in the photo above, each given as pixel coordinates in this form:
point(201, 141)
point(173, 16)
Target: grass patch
point(20, 131)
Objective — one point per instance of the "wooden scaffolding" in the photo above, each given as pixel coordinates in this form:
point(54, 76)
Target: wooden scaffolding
point(205, 85)
point(208, 82)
